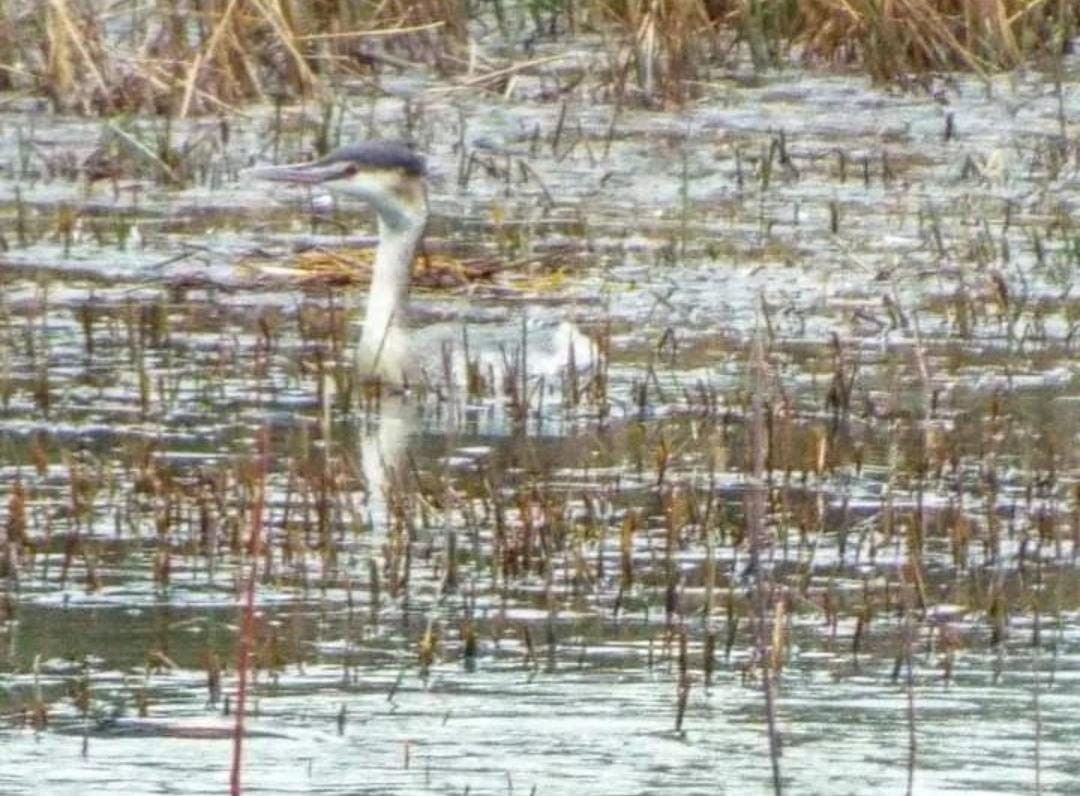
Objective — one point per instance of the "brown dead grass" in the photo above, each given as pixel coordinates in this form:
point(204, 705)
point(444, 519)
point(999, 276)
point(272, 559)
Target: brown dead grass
point(181, 57)
point(666, 44)
point(663, 48)
point(894, 37)
point(184, 57)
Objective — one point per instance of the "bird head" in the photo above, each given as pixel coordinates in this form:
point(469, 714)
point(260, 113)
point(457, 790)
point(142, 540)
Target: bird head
point(387, 175)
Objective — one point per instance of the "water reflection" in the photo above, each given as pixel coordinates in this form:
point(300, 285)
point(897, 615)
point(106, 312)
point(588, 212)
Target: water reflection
point(922, 392)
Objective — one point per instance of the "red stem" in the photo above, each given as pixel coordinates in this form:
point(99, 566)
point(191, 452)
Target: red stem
point(247, 625)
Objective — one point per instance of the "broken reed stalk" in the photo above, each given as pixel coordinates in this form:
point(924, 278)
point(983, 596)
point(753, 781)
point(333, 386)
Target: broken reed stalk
point(247, 623)
point(202, 57)
point(914, 592)
point(755, 529)
point(240, 50)
point(683, 683)
point(659, 52)
point(907, 655)
point(1037, 710)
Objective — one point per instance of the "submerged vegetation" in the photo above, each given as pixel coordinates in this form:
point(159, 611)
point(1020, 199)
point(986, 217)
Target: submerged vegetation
point(814, 496)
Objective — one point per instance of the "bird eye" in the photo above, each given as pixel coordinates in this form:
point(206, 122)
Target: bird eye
point(351, 169)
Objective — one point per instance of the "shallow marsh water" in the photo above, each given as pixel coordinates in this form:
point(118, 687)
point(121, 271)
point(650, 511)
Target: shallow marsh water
point(537, 569)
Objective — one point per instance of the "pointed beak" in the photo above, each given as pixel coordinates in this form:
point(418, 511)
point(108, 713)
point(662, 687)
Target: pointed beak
point(303, 173)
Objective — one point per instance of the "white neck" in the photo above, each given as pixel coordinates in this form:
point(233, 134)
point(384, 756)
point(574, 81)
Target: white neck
point(384, 342)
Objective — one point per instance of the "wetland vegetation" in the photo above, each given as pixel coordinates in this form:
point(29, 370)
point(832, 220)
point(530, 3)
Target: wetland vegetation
point(807, 519)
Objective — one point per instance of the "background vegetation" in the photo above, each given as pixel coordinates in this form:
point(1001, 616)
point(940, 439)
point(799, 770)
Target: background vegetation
point(181, 57)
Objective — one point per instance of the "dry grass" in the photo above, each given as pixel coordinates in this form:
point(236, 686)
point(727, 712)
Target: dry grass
point(667, 45)
point(182, 57)
point(178, 57)
point(663, 47)
point(898, 37)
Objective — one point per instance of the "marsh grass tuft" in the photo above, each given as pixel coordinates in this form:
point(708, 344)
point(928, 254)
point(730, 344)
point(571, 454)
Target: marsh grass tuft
point(177, 59)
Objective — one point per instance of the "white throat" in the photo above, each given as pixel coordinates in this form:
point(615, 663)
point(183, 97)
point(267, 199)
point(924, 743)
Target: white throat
point(384, 350)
